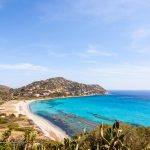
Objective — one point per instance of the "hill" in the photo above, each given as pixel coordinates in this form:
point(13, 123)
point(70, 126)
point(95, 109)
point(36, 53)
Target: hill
point(4, 93)
point(57, 87)
point(4, 88)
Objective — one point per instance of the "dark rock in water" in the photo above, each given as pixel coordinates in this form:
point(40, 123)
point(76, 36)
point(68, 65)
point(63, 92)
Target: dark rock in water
point(70, 123)
point(134, 124)
point(103, 117)
point(57, 121)
point(112, 120)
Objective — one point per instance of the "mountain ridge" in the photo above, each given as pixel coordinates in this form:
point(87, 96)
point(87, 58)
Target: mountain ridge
point(4, 93)
point(3, 87)
point(57, 87)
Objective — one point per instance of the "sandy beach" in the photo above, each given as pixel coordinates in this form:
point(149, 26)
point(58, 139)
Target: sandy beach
point(22, 107)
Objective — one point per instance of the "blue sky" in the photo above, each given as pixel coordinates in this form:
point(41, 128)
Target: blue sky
point(90, 41)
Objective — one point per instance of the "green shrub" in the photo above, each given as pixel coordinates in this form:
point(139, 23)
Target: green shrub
point(3, 121)
point(105, 137)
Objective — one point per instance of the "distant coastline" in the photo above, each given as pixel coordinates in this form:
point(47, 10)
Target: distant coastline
point(50, 98)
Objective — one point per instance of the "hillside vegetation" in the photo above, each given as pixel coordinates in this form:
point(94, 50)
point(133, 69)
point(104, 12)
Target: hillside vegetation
point(105, 137)
point(4, 93)
point(56, 87)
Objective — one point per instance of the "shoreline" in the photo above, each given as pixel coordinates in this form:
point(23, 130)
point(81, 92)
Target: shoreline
point(49, 129)
point(50, 98)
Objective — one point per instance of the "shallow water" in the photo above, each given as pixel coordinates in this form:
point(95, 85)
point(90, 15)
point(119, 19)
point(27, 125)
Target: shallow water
point(75, 114)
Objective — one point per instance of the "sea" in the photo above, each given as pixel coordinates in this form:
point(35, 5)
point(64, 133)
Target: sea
point(76, 114)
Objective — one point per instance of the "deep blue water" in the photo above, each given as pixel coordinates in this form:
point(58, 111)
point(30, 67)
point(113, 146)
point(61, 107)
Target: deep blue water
point(74, 114)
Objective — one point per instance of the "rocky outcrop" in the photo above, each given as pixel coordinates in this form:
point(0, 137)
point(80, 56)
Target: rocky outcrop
point(57, 87)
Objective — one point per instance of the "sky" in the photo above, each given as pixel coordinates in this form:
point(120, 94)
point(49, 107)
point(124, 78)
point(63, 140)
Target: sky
point(89, 41)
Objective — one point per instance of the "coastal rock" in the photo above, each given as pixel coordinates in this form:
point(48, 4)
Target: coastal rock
point(57, 87)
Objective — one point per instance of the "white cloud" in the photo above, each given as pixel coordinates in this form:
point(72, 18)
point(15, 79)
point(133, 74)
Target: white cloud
point(122, 76)
point(114, 76)
point(23, 66)
point(123, 71)
point(94, 52)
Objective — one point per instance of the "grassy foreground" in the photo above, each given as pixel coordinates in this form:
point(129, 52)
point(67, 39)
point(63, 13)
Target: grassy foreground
point(105, 137)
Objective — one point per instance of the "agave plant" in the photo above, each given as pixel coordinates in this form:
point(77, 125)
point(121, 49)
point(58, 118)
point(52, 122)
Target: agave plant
point(29, 138)
point(70, 144)
point(6, 135)
point(112, 139)
point(4, 145)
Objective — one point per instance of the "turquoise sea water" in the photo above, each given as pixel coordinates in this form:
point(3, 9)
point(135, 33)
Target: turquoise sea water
point(75, 114)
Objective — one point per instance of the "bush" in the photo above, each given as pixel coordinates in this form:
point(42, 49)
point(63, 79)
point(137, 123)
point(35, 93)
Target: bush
point(3, 121)
point(105, 137)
